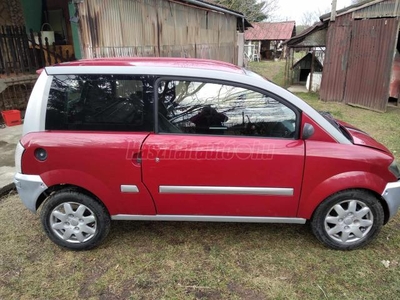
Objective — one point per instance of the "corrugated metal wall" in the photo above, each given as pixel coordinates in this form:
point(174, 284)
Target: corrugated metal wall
point(359, 57)
point(155, 28)
point(336, 59)
point(370, 62)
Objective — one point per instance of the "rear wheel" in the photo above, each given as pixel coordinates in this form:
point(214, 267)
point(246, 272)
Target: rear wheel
point(74, 220)
point(348, 220)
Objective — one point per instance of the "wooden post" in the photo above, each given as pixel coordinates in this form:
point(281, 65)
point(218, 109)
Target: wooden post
point(333, 10)
point(291, 68)
point(286, 71)
point(42, 59)
point(25, 45)
point(4, 53)
point(12, 48)
point(33, 45)
point(46, 40)
point(312, 71)
point(20, 49)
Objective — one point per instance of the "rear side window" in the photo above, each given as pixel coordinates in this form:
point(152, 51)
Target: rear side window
point(100, 103)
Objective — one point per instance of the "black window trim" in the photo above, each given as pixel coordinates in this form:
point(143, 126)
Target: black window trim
point(294, 108)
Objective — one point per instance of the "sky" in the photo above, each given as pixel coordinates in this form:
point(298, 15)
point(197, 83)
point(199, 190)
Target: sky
point(290, 10)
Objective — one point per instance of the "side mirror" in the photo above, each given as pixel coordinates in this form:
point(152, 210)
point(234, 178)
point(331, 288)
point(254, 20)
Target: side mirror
point(308, 131)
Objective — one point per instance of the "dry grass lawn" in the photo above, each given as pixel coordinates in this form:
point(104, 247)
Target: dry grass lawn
point(144, 260)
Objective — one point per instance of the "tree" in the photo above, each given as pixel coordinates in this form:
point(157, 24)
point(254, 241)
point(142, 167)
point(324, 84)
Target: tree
point(310, 17)
point(253, 10)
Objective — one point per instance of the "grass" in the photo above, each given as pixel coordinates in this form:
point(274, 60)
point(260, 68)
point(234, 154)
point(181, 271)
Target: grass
point(272, 70)
point(160, 260)
point(144, 260)
point(384, 127)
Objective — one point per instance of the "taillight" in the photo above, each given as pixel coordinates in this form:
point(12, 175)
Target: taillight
point(18, 157)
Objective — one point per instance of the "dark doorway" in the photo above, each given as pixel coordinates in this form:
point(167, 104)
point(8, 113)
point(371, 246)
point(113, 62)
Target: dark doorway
point(304, 74)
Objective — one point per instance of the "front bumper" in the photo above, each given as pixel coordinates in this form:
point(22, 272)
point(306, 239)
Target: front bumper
point(391, 194)
point(29, 188)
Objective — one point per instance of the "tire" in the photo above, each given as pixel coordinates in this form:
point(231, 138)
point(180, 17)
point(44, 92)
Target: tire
point(348, 220)
point(74, 220)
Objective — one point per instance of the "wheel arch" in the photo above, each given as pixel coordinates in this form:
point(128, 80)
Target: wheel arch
point(312, 197)
point(87, 183)
point(67, 187)
point(372, 192)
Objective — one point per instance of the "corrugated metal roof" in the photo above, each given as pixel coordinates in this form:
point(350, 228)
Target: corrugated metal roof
point(313, 36)
point(347, 9)
point(270, 31)
point(379, 10)
point(369, 9)
point(218, 6)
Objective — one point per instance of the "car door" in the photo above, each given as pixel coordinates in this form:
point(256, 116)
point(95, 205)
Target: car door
point(223, 150)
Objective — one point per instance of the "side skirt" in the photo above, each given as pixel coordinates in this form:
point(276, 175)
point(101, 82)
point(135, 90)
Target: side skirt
point(235, 219)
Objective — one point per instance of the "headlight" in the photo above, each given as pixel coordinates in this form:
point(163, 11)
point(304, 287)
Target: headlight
point(394, 169)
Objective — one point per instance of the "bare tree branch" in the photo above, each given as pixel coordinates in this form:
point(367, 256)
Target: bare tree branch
point(253, 10)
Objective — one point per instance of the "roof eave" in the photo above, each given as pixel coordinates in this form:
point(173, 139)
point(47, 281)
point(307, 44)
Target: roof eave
point(349, 9)
point(216, 8)
point(299, 38)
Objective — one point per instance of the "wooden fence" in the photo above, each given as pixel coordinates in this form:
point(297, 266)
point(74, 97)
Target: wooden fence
point(22, 53)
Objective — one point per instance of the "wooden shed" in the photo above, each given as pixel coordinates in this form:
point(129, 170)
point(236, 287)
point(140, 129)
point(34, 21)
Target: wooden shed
point(302, 68)
point(312, 40)
point(361, 45)
point(178, 28)
point(265, 38)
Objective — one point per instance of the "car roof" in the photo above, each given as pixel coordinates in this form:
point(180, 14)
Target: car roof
point(174, 62)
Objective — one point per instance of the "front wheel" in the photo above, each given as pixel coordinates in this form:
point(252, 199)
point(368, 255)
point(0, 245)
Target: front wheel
point(348, 220)
point(74, 220)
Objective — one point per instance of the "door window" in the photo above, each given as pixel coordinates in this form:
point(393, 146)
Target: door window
point(219, 109)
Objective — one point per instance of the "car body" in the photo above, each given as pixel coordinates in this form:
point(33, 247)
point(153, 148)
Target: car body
point(176, 139)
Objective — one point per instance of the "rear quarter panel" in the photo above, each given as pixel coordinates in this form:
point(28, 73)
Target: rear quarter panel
point(97, 162)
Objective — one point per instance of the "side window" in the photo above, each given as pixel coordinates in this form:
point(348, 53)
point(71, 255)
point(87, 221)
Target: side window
point(211, 108)
point(100, 102)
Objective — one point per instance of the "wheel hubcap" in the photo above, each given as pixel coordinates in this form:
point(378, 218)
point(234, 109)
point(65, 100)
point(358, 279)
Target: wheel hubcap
point(73, 222)
point(349, 221)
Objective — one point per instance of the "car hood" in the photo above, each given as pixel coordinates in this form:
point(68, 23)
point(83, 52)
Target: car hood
point(362, 138)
